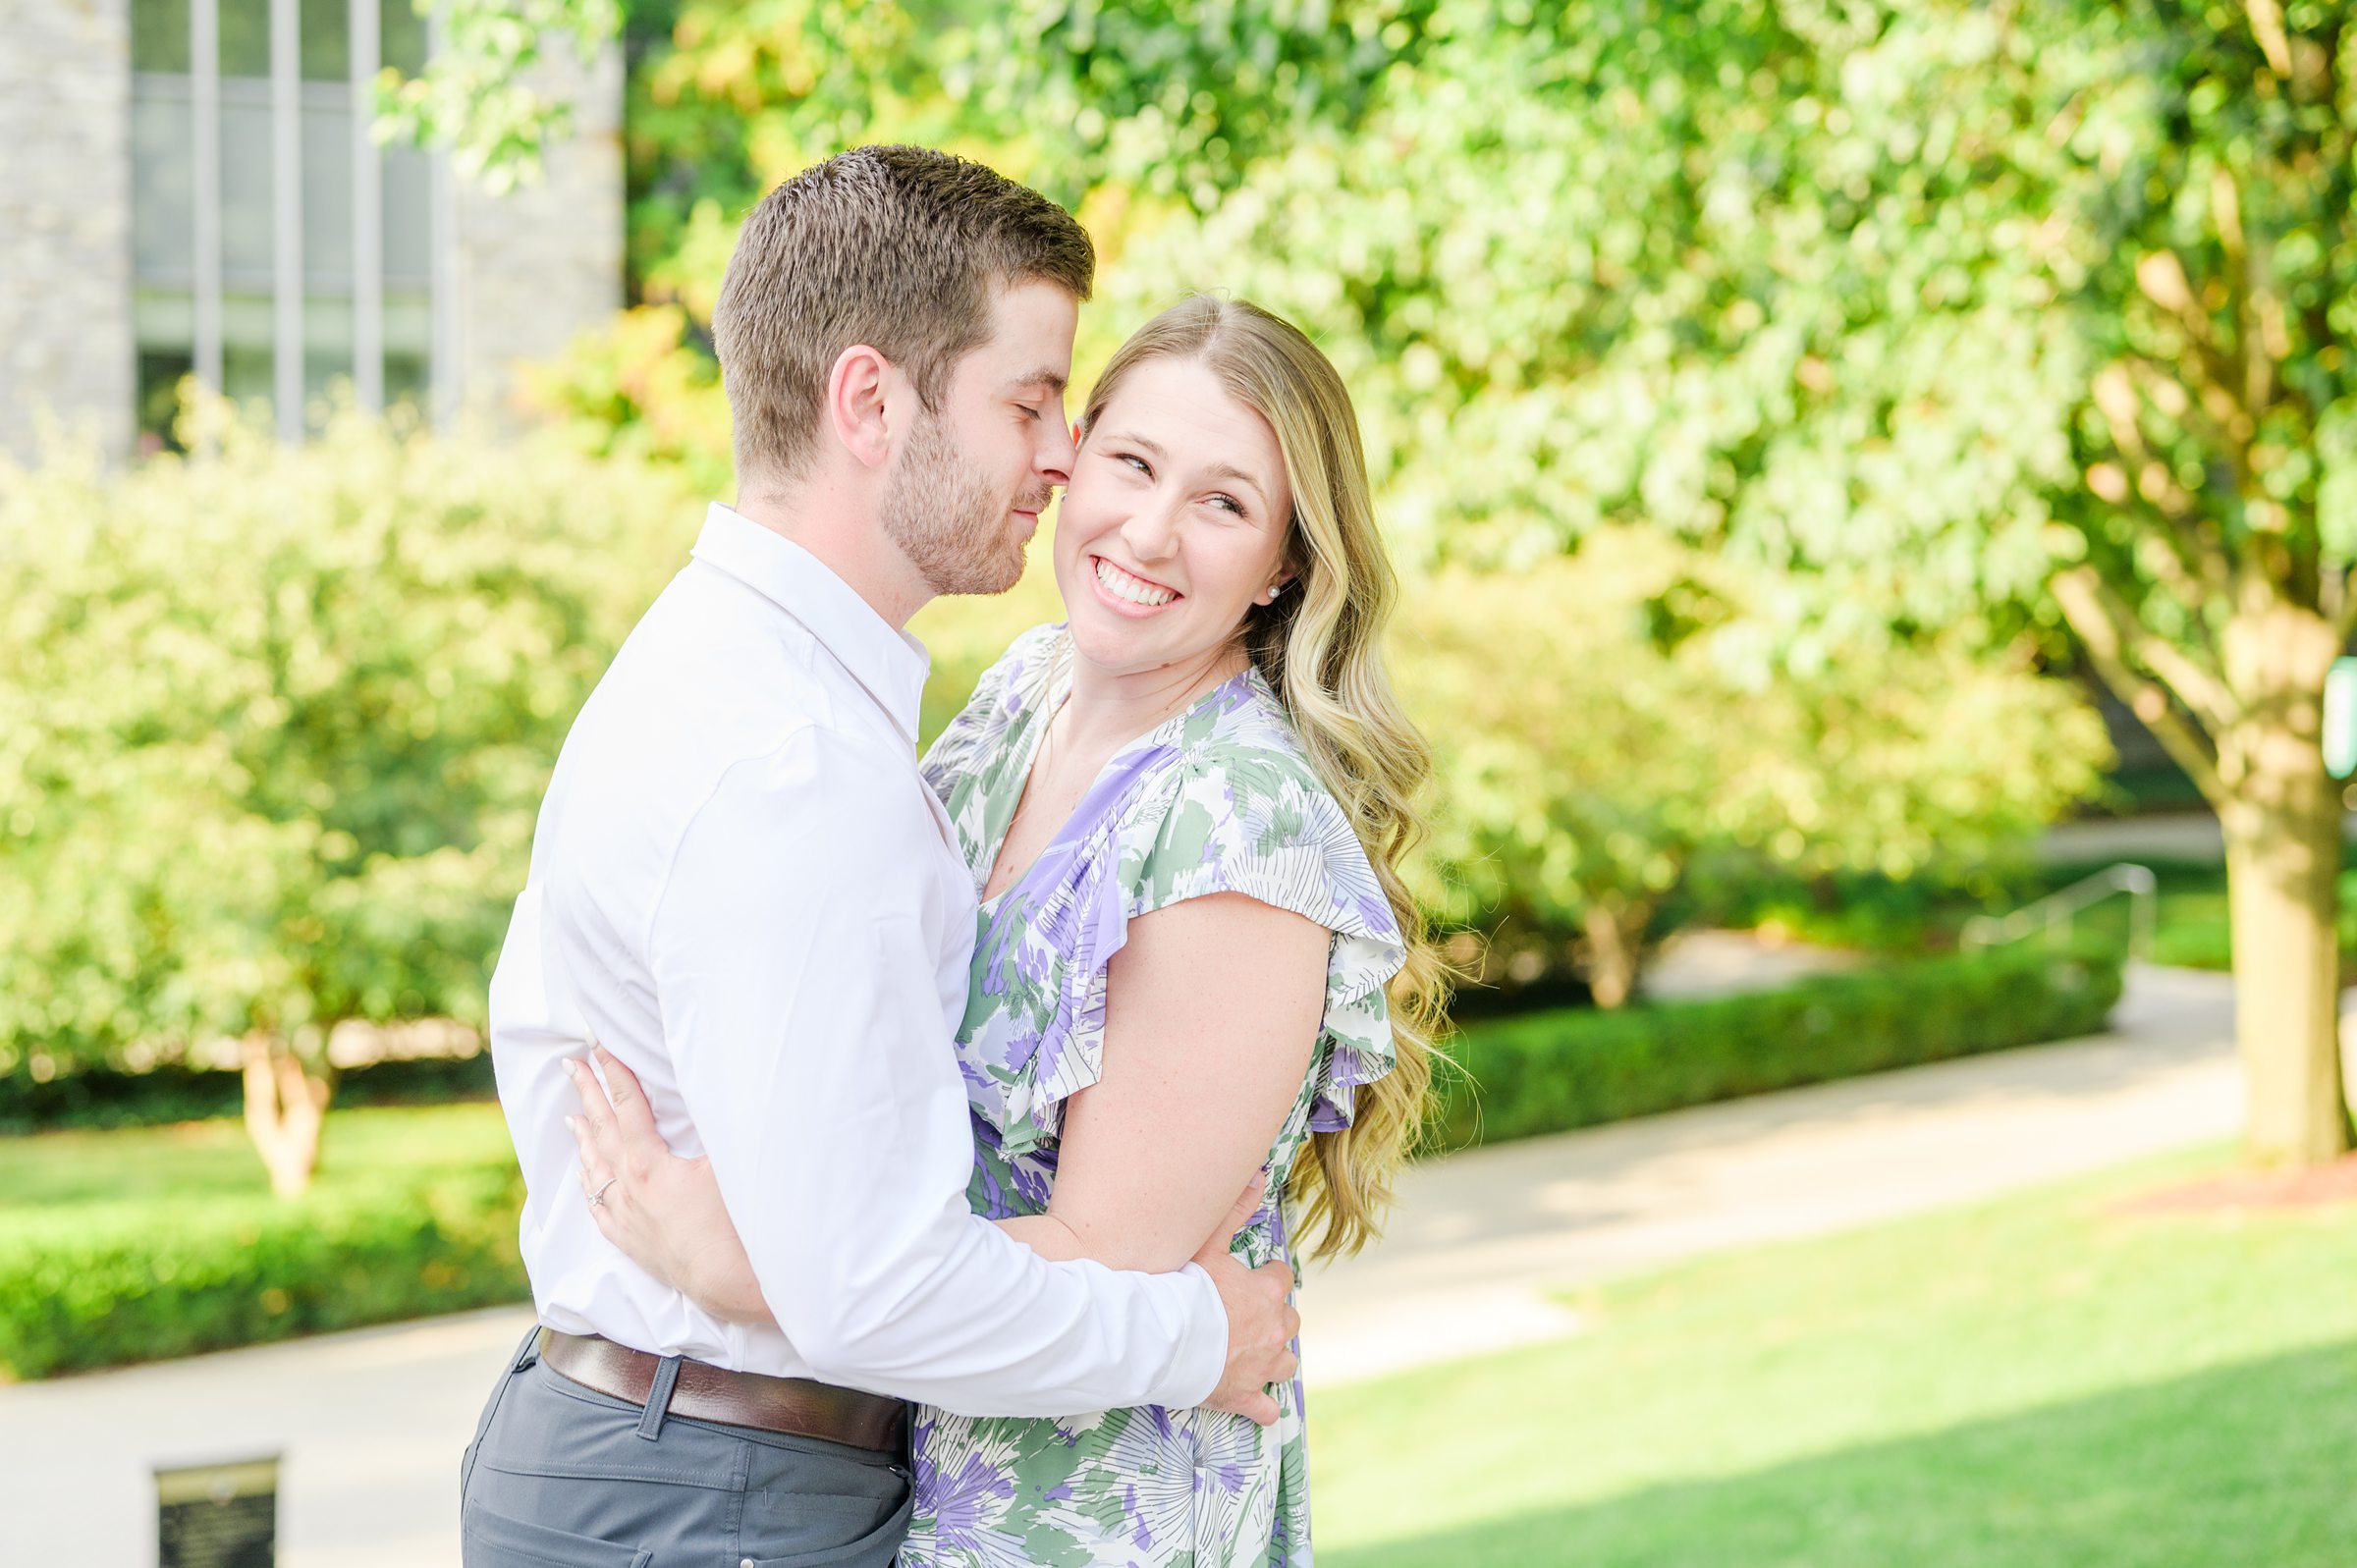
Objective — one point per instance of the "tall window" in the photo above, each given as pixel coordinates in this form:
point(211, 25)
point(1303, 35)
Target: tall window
point(275, 249)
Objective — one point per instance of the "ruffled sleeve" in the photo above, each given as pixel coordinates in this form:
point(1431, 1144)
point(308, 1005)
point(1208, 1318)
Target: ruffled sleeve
point(1261, 822)
point(1237, 810)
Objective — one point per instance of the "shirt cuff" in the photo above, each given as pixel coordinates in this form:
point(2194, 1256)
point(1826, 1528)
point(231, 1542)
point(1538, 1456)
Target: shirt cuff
point(1202, 1358)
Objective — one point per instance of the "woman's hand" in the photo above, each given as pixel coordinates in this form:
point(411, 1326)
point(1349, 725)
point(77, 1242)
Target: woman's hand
point(664, 1212)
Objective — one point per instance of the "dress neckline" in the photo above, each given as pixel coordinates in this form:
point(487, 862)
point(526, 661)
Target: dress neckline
point(1057, 689)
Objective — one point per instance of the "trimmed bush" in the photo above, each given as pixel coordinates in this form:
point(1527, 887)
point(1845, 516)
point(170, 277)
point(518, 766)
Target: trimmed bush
point(1555, 1071)
point(90, 1287)
point(113, 1097)
point(86, 1284)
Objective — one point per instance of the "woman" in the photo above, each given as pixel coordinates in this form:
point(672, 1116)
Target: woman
point(1185, 811)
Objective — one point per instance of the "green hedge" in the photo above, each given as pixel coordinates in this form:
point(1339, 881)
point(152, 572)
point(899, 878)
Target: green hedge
point(87, 1286)
point(142, 1282)
point(108, 1097)
point(1554, 1071)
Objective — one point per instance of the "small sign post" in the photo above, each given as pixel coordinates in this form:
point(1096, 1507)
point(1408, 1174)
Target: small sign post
point(2340, 717)
point(218, 1515)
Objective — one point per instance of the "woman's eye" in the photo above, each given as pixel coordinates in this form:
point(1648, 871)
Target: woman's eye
point(1229, 502)
point(1133, 461)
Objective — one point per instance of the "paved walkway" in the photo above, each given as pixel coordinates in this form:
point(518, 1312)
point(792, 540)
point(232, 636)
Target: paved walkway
point(2184, 835)
point(371, 1424)
point(1693, 964)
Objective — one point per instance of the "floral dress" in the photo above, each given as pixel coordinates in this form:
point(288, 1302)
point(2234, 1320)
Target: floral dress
point(1220, 798)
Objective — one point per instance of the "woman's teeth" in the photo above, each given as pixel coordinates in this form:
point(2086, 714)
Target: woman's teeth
point(1121, 585)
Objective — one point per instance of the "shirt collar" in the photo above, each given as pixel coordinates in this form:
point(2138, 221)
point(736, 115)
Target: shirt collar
point(889, 663)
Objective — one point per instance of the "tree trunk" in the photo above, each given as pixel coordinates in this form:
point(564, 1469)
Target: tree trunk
point(286, 1109)
point(2282, 821)
point(1613, 929)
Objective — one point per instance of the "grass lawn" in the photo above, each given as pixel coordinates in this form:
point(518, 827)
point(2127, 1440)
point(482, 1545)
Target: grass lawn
point(2042, 1382)
point(203, 1163)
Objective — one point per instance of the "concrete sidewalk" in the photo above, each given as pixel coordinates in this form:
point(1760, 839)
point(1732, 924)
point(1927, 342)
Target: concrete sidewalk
point(371, 1424)
point(2184, 835)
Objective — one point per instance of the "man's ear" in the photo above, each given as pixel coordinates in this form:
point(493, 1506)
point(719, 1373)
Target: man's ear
point(858, 403)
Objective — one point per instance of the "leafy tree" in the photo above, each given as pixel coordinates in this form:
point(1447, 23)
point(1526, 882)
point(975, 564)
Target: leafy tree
point(2210, 182)
point(1605, 727)
point(274, 725)
point(1131, 112)
point(1173, 97)
point(2010, 318)
point(484, 93)
point(2001, 320)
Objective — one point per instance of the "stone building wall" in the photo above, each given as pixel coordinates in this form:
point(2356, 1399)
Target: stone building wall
point(65, 221)
point(527, 269)
point(542, 262)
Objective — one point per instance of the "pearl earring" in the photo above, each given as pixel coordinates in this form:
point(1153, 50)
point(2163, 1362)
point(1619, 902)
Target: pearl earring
point(1274, 588)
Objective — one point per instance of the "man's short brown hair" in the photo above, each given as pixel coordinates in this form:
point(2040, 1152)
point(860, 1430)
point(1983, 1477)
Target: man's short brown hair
point(896, 247)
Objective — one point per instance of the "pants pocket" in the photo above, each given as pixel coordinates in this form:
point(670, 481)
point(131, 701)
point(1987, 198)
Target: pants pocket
point(489, 1539)
point(525, 1354)
point(876, 1549)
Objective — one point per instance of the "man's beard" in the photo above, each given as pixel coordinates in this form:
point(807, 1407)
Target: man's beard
point(951, 524)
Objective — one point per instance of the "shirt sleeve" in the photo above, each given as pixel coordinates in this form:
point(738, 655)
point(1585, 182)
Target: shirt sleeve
point(802, 1006)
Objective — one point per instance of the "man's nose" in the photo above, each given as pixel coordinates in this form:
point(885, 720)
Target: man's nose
point(1056, 452)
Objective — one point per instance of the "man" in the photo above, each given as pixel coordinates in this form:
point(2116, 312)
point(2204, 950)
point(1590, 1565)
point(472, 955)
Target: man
point(741, 888)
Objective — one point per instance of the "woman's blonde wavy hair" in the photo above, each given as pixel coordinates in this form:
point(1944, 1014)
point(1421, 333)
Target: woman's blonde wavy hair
point(1320, 646)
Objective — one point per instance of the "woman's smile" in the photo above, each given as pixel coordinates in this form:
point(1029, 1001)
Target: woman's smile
point(1127, 592)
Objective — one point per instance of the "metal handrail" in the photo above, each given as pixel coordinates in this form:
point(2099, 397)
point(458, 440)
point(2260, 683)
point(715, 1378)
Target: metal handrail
point(2057, 909)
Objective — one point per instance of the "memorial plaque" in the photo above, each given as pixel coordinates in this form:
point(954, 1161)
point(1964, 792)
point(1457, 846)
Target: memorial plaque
point(218, 1515)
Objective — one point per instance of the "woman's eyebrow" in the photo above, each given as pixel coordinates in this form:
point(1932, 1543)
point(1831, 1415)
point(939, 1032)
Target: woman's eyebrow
point(1229, 471)
point(1216, 470)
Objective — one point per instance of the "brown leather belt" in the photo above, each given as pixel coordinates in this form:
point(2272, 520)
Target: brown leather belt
point(705, 1392)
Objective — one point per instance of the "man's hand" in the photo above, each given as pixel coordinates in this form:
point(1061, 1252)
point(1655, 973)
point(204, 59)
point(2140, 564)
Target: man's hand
point(1262, 1326)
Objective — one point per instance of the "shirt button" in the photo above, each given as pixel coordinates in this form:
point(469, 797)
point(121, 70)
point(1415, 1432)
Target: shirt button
point(746, 1562)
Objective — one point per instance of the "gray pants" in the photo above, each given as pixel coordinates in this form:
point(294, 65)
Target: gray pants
point(560, 1475)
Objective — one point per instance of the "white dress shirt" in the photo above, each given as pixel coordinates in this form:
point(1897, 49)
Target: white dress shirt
point(742, 887)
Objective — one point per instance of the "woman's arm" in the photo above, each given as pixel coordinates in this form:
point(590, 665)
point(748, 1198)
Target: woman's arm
point(1212, 1010)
